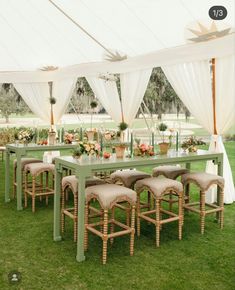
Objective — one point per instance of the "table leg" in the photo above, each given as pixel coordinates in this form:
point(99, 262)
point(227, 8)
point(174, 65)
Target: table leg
point(57, 210)
point(19, 182)
point(220, 172)
point(7, 177)
point(81, 210)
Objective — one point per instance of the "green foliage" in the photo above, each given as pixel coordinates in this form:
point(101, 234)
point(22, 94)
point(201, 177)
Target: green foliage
point(162, 127)
point(93, 104)
point(123, 126)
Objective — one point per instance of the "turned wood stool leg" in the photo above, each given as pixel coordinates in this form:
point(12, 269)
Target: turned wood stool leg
point(62, 211)
point(33, 193)
point(132, 239)
point(75, 225)
point(41, 185)
point(157, 203)
point(112, 224)
point(202, 211)
point(221, 213)
point(137, 215)
point(86, 224)
point(105, 236)
point(26, 188)
point(180, 213)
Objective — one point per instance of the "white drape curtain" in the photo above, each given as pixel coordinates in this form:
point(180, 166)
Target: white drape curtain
point(107, 93)
point(36, 96)
point(133, 87)
point(192, 83)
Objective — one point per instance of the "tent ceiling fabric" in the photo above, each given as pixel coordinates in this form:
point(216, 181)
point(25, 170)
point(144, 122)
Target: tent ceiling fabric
point(36, 34)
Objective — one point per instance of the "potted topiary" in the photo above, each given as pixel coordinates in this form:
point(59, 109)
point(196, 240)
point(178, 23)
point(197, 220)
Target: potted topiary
point(52, 133)
point(121, 146)
point(91, 133)
point(164, 146)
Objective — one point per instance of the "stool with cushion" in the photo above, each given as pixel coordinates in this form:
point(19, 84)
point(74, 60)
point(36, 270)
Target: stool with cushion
point(204, 181)
point(171, 172)
point(37, 170)
point(128, 179)
point(71, 183)
point(24, 162)
point(108, 195)
point(159, 188)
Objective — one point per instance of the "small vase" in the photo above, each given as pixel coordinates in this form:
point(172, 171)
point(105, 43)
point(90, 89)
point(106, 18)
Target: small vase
point(163, 147)
point(120, 151)
point(52, 138)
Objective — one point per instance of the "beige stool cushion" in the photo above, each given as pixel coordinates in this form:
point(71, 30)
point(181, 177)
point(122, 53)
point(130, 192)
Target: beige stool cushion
point(72, 182)
point(158, 185)
point(37, 168)
point(169, 171)
point(128, 177)
point(203, 180)
point(25, 161)
point(109, 194)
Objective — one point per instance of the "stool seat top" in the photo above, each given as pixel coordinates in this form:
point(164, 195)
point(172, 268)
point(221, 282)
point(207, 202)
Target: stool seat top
point(169, 171)
point(72, 182)
point(37, 168)
point(109, 194)
point(203, 180)
point(158, 185)
point(128, 177)
point(25, 161)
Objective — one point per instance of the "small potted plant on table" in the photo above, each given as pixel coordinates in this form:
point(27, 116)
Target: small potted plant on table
point(120, 147)
point(164, 146)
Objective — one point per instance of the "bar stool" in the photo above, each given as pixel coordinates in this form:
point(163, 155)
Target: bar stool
point(108, 195)
point(159, 187)
point(71, 183)
point(128, 179)
point(171, 172)
point(204, 181)
point(37, 170)
point(24, 162)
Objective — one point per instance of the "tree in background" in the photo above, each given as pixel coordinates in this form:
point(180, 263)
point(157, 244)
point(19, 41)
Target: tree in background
point(11, 102)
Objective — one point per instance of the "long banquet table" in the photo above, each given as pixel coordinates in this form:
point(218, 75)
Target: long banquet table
point(21, 151)
point(85, 168)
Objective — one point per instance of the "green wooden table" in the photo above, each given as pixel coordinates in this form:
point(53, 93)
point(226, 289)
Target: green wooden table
point(21, 151)
point(85, 168)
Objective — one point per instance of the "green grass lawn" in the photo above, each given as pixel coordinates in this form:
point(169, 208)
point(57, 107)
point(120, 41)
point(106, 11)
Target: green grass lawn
point(196, 262)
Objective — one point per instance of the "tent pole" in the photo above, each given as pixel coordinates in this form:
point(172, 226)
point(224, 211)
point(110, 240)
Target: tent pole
point(214, 97)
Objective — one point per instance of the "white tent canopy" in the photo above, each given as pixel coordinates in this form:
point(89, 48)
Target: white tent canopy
point(78, 36)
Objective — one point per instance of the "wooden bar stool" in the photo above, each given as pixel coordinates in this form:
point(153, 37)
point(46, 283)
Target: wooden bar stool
point(204, 181)
point(128, 178)
point(108, 195)
point(171, 172)
point(37, 170)
point(24, 162)
point(71, 183)
point(159, 187)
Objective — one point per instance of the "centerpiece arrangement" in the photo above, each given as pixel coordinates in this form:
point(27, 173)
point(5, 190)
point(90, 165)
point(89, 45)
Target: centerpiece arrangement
point(121, 146)
point(87, 149)
point(164, 146)
point(68, 138)
point(52, 133)
point(143, 150)
point(110, 135)
point(25, 136)
point(191, 144)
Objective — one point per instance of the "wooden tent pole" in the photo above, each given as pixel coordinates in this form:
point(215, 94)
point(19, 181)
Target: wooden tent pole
point(214, 95)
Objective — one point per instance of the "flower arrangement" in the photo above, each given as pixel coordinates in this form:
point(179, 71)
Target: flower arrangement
point(88, 148)
point(110, 135)
point(68, 138)
point(191, 144)
point(26, 135)
point(143, 150)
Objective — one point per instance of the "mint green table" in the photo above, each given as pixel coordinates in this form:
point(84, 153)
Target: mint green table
point(85, 168)
point(21, 151)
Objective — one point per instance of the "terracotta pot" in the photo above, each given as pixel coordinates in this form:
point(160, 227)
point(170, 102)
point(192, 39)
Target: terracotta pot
point(120, 150)
point(51, 138)
point(90, 135)
point(163, 147)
